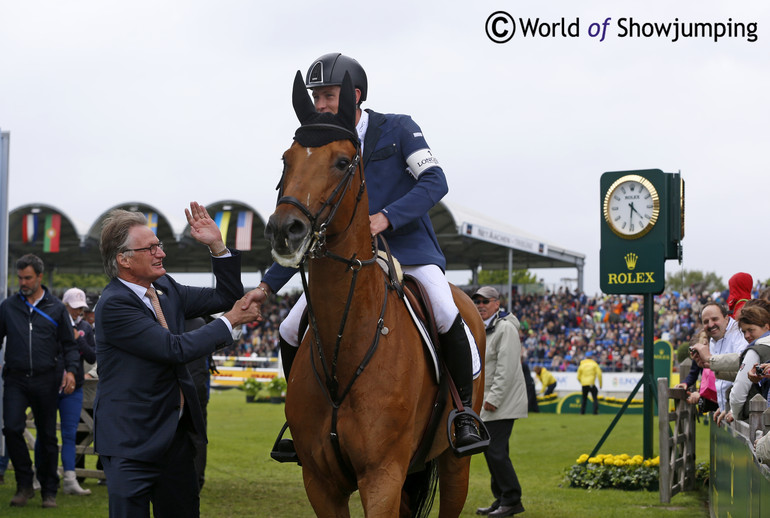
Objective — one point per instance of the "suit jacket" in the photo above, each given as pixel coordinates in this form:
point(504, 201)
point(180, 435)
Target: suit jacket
point(142, 364)
point(405, 195)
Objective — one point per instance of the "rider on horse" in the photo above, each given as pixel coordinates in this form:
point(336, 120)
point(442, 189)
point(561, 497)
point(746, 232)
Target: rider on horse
point(404, 182)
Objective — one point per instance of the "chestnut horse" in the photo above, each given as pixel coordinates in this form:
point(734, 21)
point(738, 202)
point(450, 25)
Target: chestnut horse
point(361, 391)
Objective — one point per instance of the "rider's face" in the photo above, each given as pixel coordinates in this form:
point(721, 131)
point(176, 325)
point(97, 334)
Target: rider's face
point(327, 98)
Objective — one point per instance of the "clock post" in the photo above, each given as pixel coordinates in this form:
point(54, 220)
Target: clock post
point(642, 224)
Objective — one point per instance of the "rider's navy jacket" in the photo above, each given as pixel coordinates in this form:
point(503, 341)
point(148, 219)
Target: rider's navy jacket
point(395, 189)
point(33, 342)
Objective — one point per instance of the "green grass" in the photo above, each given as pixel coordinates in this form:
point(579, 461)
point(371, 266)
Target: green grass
point(242, 480)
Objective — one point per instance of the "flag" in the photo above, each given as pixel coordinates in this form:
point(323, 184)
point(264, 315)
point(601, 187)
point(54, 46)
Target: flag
point(29, 228)
point(243, 232)
point(52, 233)
point(152, 221)
point(223, 221)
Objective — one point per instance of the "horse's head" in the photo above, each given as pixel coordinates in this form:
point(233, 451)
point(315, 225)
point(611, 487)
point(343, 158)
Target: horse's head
point(318, 173)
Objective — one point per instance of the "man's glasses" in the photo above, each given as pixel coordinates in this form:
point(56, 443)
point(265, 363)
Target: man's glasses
point(153, 249)
point(481, 301)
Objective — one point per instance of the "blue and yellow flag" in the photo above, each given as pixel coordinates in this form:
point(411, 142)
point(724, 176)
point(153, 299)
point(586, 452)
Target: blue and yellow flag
point(222, 220)
point(152, 221)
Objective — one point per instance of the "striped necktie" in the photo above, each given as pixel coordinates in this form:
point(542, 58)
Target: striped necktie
point(153, 296)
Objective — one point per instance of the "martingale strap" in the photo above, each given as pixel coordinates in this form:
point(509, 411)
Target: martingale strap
point(330, 388)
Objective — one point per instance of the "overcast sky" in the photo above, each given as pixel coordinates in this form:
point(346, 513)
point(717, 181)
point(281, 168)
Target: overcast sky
point(170, 101)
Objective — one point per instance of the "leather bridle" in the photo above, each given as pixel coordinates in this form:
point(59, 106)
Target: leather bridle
point(332, 203)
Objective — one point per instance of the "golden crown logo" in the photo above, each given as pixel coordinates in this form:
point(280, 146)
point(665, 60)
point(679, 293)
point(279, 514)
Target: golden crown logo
point(631, 259)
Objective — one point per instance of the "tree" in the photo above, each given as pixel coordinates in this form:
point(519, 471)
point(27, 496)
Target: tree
point(490, 277)
point(87, 282)
point(694, 281)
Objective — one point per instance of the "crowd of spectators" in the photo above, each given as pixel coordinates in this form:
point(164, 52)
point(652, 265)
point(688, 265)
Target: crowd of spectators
point(563, 328)
point(559, 328)
point(260, 340)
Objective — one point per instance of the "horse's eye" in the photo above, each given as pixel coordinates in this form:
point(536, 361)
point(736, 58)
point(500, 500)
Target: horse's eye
point(342, 164)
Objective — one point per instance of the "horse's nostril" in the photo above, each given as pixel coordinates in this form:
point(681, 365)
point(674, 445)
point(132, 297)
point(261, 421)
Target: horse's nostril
point(297, 228)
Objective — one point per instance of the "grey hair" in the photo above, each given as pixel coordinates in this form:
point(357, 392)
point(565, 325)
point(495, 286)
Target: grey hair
point(30, 260)
point(115, 237)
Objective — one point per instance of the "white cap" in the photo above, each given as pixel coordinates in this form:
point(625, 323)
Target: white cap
point(75, 298)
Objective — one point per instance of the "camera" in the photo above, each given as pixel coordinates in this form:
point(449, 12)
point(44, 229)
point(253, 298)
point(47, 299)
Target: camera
point(706, 405)
point(760, 370)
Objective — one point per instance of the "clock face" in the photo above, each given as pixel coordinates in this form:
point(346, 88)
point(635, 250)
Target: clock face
point(631, 206)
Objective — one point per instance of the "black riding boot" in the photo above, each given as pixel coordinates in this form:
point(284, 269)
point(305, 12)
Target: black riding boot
point(456, 353)
point(288, 352)
point(283, 449)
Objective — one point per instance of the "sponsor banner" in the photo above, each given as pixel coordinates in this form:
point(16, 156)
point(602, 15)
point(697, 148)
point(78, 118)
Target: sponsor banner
point(621, 382)
point(501, 238)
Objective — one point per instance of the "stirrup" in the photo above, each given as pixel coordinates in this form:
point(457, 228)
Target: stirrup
point(283, 449)
point(470, 449)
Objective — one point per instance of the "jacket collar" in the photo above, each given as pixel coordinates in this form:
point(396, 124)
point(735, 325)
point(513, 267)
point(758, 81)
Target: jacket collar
point(373, 132)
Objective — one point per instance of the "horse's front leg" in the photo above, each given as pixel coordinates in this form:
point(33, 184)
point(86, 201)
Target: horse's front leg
point(380, 490)
point(325, 497)
point(453, 483)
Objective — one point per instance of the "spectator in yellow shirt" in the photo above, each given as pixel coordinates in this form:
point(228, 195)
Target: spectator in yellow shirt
point(546, 379)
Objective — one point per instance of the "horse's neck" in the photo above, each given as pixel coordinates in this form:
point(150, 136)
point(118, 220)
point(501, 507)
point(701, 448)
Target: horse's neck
point(330, 280)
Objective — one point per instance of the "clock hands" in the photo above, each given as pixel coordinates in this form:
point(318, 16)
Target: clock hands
point(633, 209)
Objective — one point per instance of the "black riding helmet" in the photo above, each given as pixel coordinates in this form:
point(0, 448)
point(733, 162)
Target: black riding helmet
point(329, 69)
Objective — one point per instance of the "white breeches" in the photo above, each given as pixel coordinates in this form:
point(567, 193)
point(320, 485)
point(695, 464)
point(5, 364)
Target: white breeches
point(430, 276)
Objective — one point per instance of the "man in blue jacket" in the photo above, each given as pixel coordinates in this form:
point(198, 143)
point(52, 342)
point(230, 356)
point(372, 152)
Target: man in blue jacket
point(404, 181)
point(36, 326)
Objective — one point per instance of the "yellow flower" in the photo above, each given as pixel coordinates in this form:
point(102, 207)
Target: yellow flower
point(609, 461)
point(582, 458)
point(594, 460)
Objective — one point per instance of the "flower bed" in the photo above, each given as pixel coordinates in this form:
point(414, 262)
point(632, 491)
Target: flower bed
point(614, 471)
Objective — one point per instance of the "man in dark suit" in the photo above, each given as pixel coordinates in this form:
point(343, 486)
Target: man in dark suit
point(146, 407)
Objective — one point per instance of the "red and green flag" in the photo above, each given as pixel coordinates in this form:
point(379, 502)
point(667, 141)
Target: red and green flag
point(52, 233)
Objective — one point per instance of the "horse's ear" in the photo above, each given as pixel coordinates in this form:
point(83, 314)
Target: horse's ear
point(303, 106)
point(346, 108)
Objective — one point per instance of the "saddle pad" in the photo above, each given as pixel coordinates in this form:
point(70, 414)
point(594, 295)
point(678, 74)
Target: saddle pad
point(429, 345)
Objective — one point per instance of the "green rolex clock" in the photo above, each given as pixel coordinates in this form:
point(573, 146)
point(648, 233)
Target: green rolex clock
point(631, 206)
